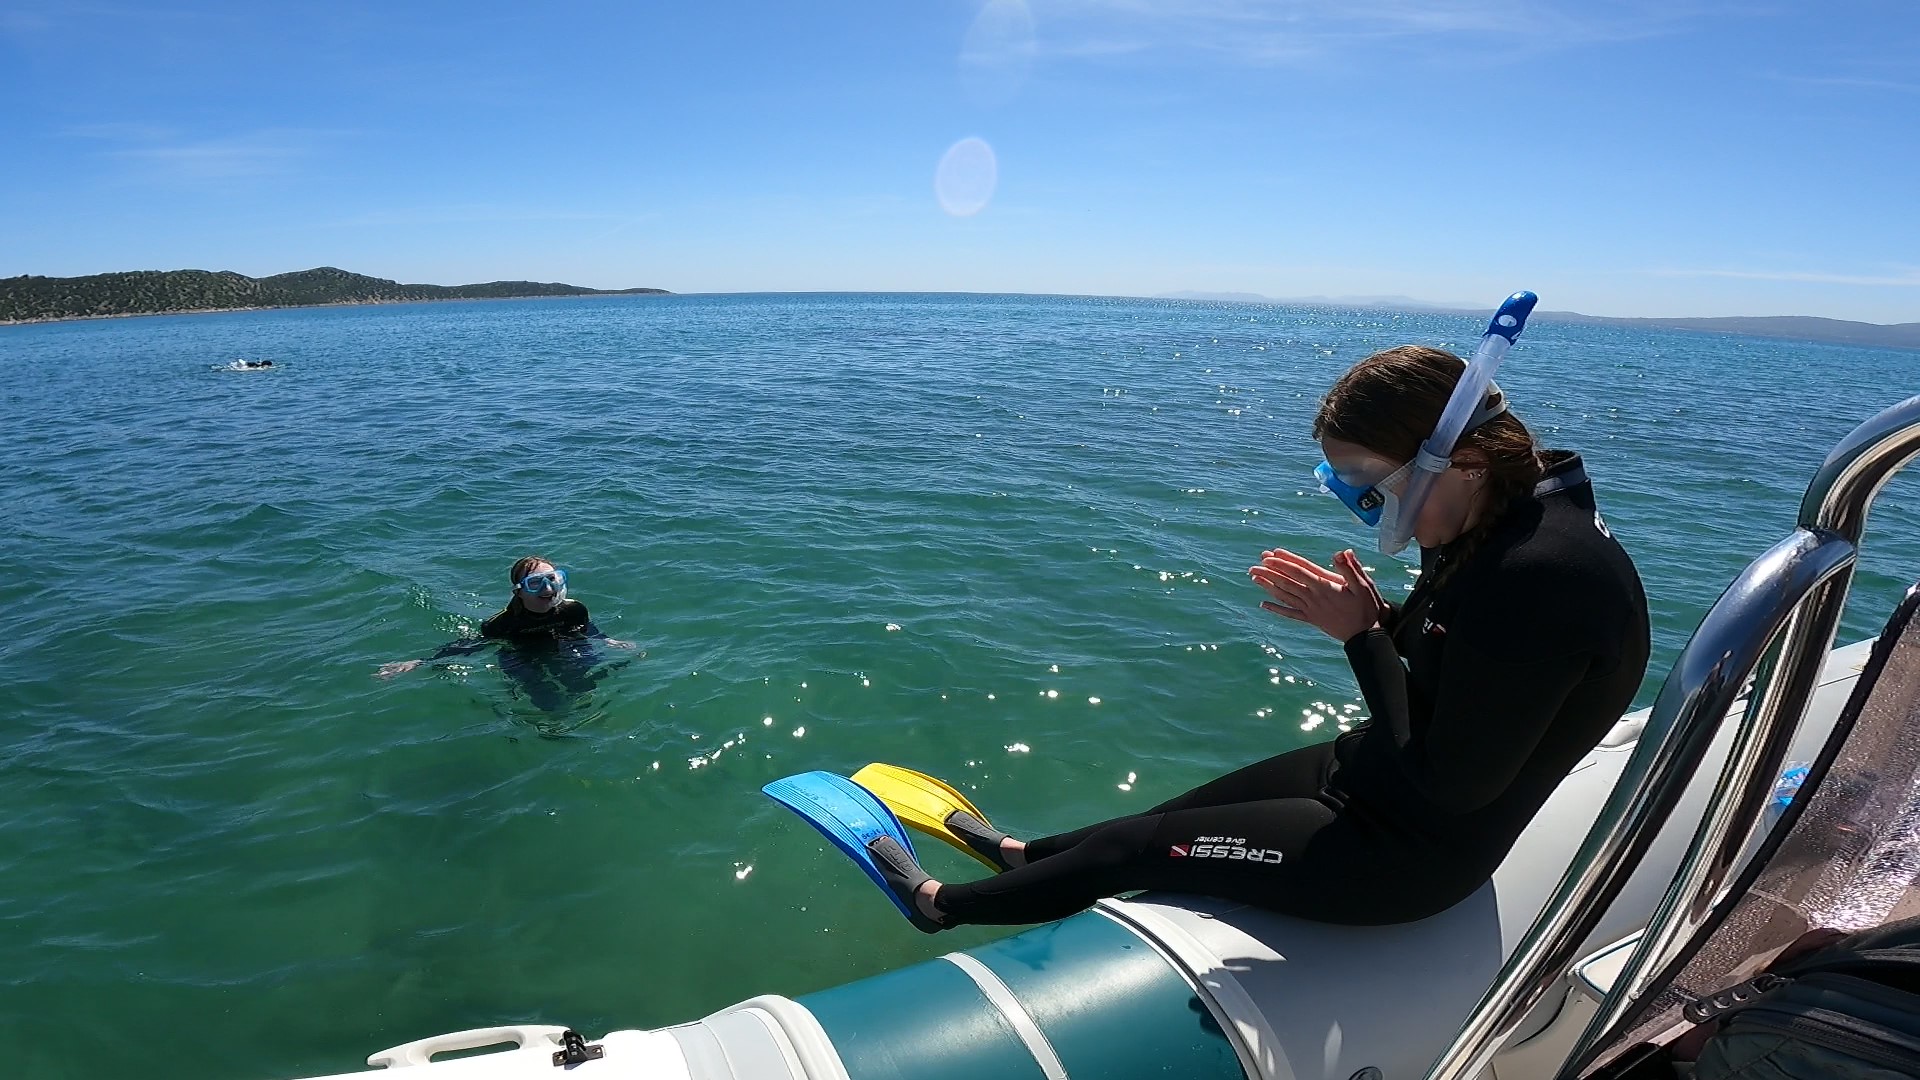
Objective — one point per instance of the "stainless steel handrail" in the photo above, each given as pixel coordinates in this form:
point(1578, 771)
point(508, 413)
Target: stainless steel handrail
point(1835, 506)
point(1799, 586)
point(1701, 689)
point(1745, 784)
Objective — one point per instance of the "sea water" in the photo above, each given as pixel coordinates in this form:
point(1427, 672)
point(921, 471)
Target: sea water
point(999, 539)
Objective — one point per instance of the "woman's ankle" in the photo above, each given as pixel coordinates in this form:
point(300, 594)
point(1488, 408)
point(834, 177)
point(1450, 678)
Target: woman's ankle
point(927, 899)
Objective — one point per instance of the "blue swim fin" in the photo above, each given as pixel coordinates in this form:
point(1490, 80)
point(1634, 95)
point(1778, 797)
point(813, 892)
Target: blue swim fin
point(861, 826)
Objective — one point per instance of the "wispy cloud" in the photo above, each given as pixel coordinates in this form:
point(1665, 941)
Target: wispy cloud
point(584, 227)
point(1266, 32)
point(31, 22)
point(473, 213)
point(158, 153)
point(117, 131)
point(1853, 83)
point(259, 154)
point(1904, 279)
point(1098, 47)
point(20, 23)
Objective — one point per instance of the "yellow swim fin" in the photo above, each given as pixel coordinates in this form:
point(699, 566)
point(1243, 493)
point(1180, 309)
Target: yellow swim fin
point(924, 803)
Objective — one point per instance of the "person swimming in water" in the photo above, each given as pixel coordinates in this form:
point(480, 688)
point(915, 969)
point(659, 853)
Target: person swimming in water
point(540, 619)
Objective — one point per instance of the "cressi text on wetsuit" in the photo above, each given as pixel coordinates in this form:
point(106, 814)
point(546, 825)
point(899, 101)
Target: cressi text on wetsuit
point(1515, 666)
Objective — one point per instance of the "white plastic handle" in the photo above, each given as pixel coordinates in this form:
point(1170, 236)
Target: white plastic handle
point(421, 1051)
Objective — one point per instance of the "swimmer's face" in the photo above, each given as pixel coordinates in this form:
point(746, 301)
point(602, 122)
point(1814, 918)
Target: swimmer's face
point(540, 601)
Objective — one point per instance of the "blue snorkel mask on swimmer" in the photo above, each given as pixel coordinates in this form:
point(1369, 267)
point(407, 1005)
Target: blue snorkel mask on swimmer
point(1391, 503)
point(553, 581)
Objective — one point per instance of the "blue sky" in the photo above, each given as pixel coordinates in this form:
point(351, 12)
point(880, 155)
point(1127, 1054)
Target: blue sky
point(1639, 158)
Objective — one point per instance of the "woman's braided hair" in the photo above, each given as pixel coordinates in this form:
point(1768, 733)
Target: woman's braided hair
point(1390, 403)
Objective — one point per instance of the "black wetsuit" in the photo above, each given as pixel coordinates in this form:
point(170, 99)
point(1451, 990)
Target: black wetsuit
point(548, 657)
point(1515, 667)
point(515, 624)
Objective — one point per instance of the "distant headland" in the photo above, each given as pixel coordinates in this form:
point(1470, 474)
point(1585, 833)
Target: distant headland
point(169, 292)
point(1785, 327)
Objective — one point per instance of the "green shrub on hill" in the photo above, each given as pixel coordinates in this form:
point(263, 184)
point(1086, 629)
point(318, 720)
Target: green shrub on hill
point(148, 292)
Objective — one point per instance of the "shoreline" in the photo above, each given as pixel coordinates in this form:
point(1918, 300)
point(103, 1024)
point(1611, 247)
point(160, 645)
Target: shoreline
point(1698, 325)
point(330, 303)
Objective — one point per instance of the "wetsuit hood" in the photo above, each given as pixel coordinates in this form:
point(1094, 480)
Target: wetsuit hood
point(1564, 472)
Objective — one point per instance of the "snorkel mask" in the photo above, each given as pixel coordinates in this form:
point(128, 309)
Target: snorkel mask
point(1392, 503)
point(1382, 504)
point(1365, 500)
point(552, 582)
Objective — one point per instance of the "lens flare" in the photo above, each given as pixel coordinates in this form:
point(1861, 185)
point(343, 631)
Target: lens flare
point(967, 175)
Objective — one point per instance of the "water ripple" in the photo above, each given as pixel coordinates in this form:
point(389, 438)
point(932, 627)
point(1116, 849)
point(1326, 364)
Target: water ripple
point(1002, 539)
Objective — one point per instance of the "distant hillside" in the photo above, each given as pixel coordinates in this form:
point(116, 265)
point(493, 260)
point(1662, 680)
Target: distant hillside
point(1785, 327)
point(1385, 303)
point(153, 292)
point(1791, 327)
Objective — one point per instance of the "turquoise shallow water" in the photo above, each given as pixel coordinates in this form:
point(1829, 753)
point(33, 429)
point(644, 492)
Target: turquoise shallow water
point(1002, 539)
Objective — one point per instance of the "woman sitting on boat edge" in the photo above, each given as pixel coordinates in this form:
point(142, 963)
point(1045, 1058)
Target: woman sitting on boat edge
point(1523, 643)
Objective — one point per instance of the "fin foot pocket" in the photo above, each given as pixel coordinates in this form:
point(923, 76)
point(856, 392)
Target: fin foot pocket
point(903, 877)
point(927, 804)
point(863, 829)
point(982, 840)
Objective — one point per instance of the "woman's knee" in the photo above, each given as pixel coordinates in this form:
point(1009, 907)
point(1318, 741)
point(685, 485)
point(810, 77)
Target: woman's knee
point(1120, 843)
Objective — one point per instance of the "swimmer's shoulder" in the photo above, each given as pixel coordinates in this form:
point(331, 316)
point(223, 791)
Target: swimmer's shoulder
point(498, 625)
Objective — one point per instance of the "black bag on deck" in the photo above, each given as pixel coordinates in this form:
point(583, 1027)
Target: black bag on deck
point(1849, 1011)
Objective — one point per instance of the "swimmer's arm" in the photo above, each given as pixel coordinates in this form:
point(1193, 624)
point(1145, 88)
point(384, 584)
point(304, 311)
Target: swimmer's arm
point(463, 647)
point(598, 634)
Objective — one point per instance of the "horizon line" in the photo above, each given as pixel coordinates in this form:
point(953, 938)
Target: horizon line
point(1405, 305)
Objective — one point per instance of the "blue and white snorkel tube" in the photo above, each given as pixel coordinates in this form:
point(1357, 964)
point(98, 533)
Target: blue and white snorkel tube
point(1436, 454)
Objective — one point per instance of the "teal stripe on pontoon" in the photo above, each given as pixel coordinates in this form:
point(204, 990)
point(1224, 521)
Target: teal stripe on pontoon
point(1109, 1004)
point(926, 1022)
